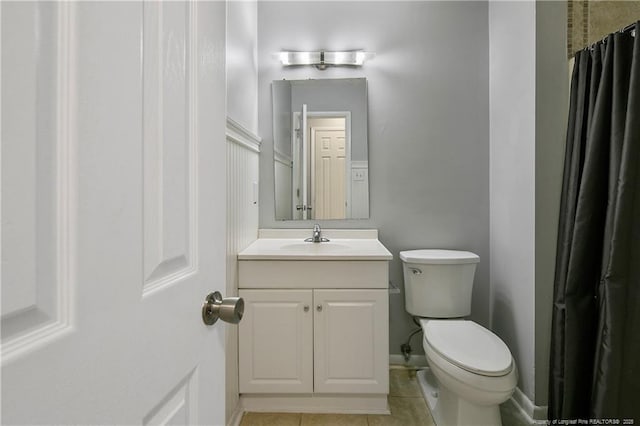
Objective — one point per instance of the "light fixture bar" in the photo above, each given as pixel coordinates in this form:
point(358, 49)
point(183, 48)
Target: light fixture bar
point(323, 58)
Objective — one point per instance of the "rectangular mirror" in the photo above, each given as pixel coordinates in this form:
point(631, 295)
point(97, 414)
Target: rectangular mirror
point(320, 149)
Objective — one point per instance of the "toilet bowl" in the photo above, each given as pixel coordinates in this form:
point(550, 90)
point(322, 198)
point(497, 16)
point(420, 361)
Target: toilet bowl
point(474, 371)
point(471, 370)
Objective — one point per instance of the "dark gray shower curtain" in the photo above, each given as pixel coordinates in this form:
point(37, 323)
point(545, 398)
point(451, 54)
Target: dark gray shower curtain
point(595, 342)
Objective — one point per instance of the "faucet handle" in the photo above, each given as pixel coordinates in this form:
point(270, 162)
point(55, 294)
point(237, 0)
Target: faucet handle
point(317, 234)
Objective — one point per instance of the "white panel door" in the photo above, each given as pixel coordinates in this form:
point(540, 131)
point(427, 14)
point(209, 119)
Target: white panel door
point(328, 186)
point(113, 178)
point(351, 332)
point(276, 342)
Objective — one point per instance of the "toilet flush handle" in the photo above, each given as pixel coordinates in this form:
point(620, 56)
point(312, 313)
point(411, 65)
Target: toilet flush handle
point(415, 271)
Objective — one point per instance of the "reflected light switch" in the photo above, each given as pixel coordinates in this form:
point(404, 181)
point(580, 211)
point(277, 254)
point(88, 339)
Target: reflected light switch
point(358, 175)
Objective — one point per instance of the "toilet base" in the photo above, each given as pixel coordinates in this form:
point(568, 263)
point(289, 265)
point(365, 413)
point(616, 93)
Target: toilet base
point(448, 409)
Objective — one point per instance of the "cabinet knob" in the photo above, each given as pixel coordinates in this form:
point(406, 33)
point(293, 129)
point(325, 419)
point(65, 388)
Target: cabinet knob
point(306, 308)
point(319, 308)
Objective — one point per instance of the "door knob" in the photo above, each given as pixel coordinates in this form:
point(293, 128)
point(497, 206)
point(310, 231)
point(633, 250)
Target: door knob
point(228, 309)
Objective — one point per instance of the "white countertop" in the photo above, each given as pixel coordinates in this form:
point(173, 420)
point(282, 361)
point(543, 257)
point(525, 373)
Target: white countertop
point(290, 245)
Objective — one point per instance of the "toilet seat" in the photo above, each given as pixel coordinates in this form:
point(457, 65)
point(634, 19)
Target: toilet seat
point(469, 346)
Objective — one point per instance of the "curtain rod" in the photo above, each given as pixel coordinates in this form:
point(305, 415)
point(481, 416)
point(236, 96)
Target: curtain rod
point(631, 28)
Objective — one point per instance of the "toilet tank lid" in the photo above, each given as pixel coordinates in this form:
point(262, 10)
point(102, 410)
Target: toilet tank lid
point(432, 256)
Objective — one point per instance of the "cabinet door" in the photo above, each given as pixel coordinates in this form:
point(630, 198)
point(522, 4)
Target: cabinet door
point(276, 342)
point(351, 341)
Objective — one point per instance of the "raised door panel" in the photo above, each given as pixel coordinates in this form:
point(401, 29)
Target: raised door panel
point(276, 342)
point(38, 196)
point(351, 341)
point(169, 136)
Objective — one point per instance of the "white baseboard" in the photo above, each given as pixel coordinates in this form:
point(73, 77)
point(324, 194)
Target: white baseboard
point(414, 360)
point(236, 416)
point(527, 408)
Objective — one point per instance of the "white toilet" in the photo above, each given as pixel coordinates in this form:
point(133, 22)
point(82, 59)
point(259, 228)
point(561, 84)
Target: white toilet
point(471, 370)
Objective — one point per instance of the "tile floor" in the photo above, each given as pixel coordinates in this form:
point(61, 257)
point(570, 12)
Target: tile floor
point(405, 400)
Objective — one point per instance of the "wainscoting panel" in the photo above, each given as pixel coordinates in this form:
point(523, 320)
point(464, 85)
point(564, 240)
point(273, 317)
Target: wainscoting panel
point(243, 151)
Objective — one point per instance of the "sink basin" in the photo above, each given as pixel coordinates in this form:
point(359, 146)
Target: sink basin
point(326, 247)
point(352, 246)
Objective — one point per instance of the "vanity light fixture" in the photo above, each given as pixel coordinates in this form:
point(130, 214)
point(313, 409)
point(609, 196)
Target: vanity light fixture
point(324, 58)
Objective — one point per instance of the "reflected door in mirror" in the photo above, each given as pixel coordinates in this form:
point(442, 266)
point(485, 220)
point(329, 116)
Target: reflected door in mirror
point(328, 183)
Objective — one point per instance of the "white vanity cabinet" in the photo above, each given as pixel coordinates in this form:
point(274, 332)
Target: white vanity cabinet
point(276, 341)
point(315, 331)
point(351, 341)
point(320, 340)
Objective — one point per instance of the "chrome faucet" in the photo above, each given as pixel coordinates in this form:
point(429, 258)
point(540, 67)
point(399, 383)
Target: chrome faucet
point(317, 235)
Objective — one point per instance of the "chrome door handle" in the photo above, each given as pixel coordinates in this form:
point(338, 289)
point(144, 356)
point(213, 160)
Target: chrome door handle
point(319, 308)
point(228, 309)
point(306, 308)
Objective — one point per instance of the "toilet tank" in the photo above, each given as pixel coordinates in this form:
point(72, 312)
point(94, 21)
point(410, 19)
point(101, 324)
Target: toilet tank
point(438, 283)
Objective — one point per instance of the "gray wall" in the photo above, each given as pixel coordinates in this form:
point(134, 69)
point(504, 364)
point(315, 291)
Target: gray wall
point(282, 119)
point(428, 90)
point(528, 95)
point(552, 106)
point(512, 32)
point(242, 63)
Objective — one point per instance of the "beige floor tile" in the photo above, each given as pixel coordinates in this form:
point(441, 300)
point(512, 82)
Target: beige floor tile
point(408, 408)
point(334, 420)
point(402, 382)
point(404, 412)
point(271, 419)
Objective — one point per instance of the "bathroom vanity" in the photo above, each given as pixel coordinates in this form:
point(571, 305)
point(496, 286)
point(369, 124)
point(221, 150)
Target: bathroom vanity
point(315, 332)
